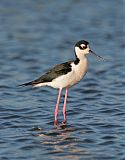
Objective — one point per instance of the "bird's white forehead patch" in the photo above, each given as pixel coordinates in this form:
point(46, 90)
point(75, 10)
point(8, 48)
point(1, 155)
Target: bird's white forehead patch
point(82, 45)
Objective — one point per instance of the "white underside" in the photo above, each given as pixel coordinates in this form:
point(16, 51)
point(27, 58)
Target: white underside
point(71, 78)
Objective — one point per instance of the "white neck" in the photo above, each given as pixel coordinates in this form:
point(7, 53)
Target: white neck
point(81, 54)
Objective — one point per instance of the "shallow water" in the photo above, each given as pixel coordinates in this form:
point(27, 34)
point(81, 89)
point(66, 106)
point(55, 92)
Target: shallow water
point(35, 35)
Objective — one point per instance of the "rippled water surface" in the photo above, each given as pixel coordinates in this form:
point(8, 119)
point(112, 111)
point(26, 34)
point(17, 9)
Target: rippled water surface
point(35, 35)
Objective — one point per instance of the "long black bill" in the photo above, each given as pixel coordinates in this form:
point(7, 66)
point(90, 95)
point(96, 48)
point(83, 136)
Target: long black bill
point(96, 55)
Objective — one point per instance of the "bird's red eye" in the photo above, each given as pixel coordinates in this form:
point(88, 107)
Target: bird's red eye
point(82, 46)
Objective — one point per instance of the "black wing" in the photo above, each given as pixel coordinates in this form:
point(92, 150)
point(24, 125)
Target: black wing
point(58, 70)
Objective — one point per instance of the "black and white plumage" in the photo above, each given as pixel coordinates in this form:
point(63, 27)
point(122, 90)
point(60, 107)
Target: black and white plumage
point(66, 74)
point(48, 77)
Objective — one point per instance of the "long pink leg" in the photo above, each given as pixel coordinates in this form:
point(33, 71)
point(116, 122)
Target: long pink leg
point(57, 106)
point(64, 107)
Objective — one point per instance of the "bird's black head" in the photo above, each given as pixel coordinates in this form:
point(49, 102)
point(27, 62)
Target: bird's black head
point(82, 48)
point(82, 44)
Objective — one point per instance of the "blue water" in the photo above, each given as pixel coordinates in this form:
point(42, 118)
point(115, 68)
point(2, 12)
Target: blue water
point(34, 36)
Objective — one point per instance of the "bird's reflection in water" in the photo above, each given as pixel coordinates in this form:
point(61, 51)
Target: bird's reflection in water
point(62, 143)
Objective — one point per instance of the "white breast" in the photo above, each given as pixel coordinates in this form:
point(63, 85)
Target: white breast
point(80, 69)
point(73, 77)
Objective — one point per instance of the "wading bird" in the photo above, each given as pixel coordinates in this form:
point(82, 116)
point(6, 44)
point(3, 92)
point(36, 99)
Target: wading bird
point(65, 75)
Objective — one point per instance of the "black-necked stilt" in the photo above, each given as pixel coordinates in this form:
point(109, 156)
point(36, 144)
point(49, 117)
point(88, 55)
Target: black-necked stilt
point(66, 74)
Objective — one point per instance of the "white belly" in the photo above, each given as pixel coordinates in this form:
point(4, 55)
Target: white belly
point(71, 78)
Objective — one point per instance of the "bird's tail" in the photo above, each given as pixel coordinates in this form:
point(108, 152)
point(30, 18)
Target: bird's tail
point(26, 84)
point(34, 83)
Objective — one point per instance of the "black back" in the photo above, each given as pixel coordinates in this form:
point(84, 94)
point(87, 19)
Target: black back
point(58, 70)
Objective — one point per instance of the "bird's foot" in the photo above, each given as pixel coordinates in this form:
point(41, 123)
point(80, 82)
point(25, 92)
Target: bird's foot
point(55, 122)
point(64, 122)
